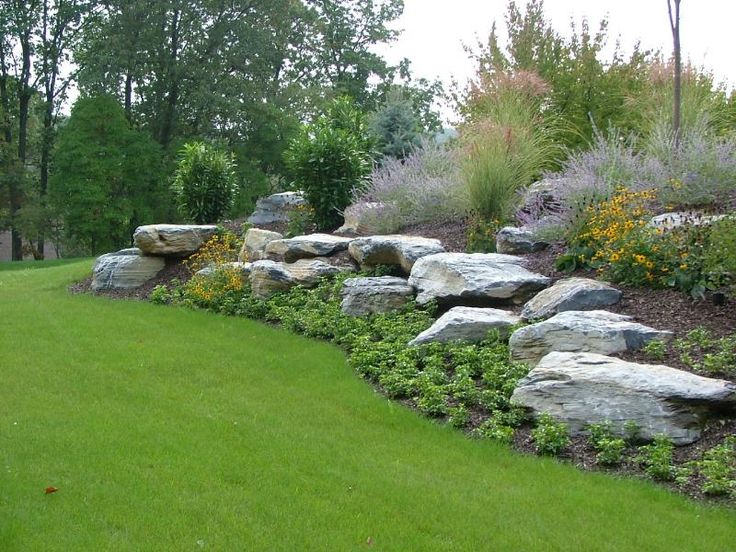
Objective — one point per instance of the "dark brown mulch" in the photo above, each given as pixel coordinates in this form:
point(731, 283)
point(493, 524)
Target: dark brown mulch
point(581, 454)
point(452, 234)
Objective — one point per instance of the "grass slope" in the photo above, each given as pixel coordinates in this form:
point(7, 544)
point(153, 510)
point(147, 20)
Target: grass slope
point(167, 429)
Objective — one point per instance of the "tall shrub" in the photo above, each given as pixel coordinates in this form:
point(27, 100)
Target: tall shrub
point(107, 178)
point(329, 160)
point(204, 183)
point(395, 127)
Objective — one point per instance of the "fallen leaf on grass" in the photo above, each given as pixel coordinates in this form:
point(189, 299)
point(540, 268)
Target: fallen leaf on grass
point(50, 490)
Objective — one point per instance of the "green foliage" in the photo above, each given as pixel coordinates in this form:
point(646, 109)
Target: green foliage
point(507, 144)
point(482, 235)
point(719, 257)
point(655, 349)
point(706, 354)
point(204, 183)
point(550, 436)
point(395, 128)
point(657, 458)
point(718, 468)
point(107, 178)
point(610, 449)
point(329, 160)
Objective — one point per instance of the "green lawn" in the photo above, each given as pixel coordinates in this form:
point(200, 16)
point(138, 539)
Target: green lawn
point(167, 429)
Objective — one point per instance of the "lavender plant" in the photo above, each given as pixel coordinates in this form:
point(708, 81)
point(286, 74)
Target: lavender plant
point(425, 186)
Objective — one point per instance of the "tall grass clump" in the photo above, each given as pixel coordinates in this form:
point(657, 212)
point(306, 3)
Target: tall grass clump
point(425, 186)
point(507, 142)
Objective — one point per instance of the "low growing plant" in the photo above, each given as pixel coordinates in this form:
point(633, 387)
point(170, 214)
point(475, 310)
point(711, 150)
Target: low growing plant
point(657, 458)
point(550, 436)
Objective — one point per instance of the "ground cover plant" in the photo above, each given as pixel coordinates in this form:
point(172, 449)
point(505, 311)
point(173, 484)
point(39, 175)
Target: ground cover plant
point(170, 428)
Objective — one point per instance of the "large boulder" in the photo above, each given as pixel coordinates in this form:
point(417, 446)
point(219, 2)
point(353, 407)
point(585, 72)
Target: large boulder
point(178, 240)
point(363, 296)
point(513, 241)
point(474, 279)
point(469, 324)
point(393, 249)
point(242, 269)
point(305, 247)
point(585, 388)
point(581, 331)
point(124, 269)
point(255, 242)
point(368, 217)
point(268, 277)
point(276, 208)
point(571, 294)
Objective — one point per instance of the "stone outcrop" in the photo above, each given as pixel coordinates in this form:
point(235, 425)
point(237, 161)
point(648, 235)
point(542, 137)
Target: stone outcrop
point(474, 279)
point(670, 221)
point(255, 242)
point(468, 324)
point(571, 294)
point(512, 240)
point(581, 331)
point(396, 250)
point(177, 240)
point(584, 388)
point(363, 296)
point(124, 269)
point(276, 208)
point(268, 277)
point(365, 218)
point(306, 247)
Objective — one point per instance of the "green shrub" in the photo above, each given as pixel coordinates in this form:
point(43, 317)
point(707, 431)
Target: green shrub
point(204, 183)
point(718, 467)
point(395, 127)
point(610, 449)
point(329, 160)
point(657, 458)
point(719, 259)
point(655, 349)
point(550, 436)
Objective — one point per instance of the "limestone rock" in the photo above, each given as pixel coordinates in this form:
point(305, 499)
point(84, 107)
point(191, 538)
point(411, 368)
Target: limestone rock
point(571, 294)
point(368, 217)
point(581, 331)
point(268, 277)
point(176, 240)
point(124, 269)
point(393, 249)
point(468, 324)
point(669, 221)
point(584, 388)
point(514, 240)
point(363, 296)
point(276, 208)
point(474, 279)
point(255, 242)
point(304, 247)
point(243, 269)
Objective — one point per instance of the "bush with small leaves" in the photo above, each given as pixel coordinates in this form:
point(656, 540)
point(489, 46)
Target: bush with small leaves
point(718, 468)
point(550, 436)
point(610, 449)
point(657, 458)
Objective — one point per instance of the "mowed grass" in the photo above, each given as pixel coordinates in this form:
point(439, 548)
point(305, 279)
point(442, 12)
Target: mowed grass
point(167, 429)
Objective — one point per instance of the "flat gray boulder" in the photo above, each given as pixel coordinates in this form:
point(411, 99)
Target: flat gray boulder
point(393, 249)
point(513, 241)
point(268, 277)
point(581, 331)
point(570, 294)
point(125, 269)
point(177, 240)
point(276, 207)
point(474, 279)
point(584, 388)
point(469, 324)
point(363, 296)
point(306, 247)
point(255, 242)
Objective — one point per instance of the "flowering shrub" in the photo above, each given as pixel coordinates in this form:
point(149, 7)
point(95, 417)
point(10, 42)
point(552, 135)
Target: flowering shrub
point(617, 238)
point(221, 248)
point(482, 235)
point(214, 291)
point(424, 186)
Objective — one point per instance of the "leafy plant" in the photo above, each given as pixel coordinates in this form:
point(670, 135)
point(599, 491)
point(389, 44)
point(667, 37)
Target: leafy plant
point(395, 127)
point(330, 159)
point(610, 449)
point(657, 458)
point(718, 467)
point(221, 248)
point(550, 436)
point(204, 183)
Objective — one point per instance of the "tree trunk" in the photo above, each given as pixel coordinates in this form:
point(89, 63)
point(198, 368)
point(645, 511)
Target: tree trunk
point(675, 27)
